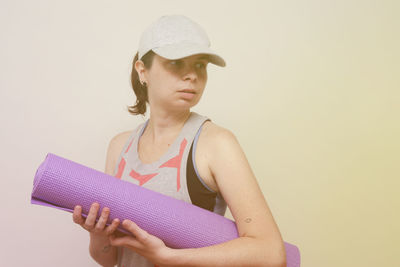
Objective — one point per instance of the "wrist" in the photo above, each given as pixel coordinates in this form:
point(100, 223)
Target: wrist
point(98, 241)
point(98, 237)
point(168, 257)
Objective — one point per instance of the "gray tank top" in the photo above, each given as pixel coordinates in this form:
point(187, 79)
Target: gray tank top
point(168, 175)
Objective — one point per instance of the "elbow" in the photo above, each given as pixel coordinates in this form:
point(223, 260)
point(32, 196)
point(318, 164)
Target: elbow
point(280, 260)
point(281, 263)
point(270, 254)
point(277, 262)
point(275, 259)
point(272, 263)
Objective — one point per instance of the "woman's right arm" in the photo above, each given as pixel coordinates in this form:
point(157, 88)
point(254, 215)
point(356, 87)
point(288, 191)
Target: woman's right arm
point(99, 248)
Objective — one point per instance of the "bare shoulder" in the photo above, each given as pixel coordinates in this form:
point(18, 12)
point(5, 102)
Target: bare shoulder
point(115, 147)
point(214, 142)
point(120, 139)
point(221, 152)
point(213, 134)
point(212, 131)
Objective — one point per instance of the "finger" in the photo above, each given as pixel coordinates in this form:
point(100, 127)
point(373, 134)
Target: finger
point(140, 234)
point(127, 241)
point(77, 215)
point(112, 227)
point(101, 223)
point(91, 218)
point(119, 233)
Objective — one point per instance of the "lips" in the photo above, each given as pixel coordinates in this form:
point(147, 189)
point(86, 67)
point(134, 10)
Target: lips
point(187, 94)
point(188, 91)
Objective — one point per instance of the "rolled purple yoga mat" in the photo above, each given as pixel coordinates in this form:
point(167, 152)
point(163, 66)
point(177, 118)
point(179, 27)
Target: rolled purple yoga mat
point(63, 184)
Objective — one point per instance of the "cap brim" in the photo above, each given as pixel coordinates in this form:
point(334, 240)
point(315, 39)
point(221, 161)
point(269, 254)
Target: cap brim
point(177, 51)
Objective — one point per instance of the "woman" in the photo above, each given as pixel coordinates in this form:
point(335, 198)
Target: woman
point(184, 155)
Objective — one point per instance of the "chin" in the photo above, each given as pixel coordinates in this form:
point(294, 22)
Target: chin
point(184, 104)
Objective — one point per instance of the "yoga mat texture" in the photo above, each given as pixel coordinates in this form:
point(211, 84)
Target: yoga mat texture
point(62, 184)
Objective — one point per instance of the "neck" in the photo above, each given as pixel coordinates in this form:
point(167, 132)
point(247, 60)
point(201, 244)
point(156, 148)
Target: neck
point(164, 125)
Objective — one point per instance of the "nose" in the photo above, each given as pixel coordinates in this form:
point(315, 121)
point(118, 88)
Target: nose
point(190, 73)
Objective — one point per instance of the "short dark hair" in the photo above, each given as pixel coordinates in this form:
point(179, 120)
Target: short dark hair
point(139, 89)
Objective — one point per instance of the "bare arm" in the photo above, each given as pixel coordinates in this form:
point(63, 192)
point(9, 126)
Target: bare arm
point(259, 242)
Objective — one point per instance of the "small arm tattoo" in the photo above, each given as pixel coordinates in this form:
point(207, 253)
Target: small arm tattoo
point(248, 220)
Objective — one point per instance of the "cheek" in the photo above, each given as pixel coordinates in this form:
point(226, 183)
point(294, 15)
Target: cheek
point(160, 81)
point(167, 79)
point(204, 79)
point(205, 76)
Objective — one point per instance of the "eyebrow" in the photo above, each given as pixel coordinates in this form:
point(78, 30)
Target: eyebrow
point(203, 57)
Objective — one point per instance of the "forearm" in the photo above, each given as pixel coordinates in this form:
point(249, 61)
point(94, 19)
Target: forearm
point(102, 252)
point(243, 251)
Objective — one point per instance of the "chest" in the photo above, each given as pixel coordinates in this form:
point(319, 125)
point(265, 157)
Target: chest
point(148, 152)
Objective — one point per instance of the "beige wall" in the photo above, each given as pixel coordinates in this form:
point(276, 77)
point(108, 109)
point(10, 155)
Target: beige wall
point(311, 90)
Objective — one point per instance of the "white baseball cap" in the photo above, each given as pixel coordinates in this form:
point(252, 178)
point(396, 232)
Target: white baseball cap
point(175, 37)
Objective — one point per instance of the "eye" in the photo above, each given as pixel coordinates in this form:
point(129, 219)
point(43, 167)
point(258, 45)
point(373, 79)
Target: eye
point(201, 65)
point(175, 62)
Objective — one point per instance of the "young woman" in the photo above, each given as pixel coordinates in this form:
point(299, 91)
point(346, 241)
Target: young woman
point(184, 155)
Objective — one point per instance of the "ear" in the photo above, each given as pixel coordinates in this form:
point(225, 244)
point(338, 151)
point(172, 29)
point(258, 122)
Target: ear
point(140, 69)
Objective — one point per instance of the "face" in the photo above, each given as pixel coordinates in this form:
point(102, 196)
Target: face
point(175, 84)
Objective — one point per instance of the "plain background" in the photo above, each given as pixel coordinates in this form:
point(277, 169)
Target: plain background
point(311, 91)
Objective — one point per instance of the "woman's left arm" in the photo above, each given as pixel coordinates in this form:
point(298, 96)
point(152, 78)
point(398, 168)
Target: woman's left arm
point(259, 242)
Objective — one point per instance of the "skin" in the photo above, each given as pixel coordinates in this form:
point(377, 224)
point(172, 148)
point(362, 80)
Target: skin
point(221, 163)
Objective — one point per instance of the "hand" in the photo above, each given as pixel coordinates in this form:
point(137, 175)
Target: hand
point(98, 229)
point(143, 243)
